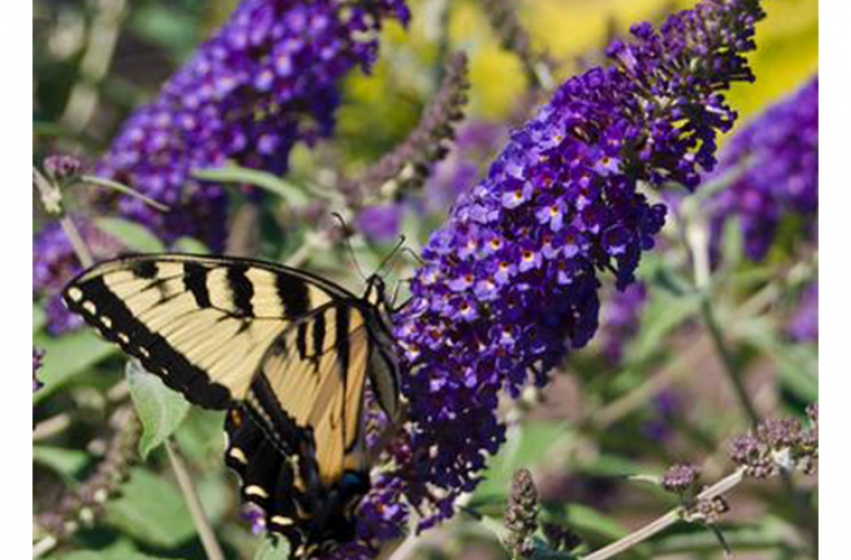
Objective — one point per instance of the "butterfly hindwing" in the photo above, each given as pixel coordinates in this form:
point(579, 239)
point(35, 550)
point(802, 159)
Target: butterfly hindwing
point(203, 324)
point(310, 389)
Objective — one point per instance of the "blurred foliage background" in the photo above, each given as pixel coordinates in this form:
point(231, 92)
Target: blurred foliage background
point(666, 401)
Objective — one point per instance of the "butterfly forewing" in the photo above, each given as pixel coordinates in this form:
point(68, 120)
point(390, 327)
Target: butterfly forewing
point(201, 323)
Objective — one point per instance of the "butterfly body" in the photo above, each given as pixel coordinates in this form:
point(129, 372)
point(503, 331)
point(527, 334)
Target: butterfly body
point(288, 354)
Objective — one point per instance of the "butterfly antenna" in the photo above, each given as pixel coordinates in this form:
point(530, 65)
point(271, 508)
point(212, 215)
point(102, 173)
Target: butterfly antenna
point(346, 230)
point(391, 254)
point(414, 254)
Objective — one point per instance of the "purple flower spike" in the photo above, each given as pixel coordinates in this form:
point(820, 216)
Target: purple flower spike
point(505, 291)
point(779, 155)
point(265, 81)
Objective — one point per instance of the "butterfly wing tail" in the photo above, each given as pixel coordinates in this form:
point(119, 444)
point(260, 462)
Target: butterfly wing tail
point(285, 485)
point(268, 475)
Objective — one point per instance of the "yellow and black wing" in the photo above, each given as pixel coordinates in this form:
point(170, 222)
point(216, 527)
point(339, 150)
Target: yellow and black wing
point(310, 390)
point(203, 324)
point(288, 353)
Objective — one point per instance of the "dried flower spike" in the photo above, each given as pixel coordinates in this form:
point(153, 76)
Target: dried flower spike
point(521, 515)
point(682, 480)
point(504, 20)
point(61, 168)
point(81, 505)
point(777, 445)
point(410, 163)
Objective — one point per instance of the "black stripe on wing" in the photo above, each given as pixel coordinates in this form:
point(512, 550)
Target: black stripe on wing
point(195, 282)
point(150, 348)
point(242, 290)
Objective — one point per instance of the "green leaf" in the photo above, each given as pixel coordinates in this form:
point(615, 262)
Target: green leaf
point(543, 551)
point(66, 462)
point(134, 236)
point(191, 245)
point(292, 194)
point(166, 26)
point(200, 435)
point(273, 549)
point(67, 356)
point(797, 364)
point(160, 409)
point(525, 446)
point(151, 509)
point(583, 518)
point(664, 313)
point(39, 317)
point(122, 550)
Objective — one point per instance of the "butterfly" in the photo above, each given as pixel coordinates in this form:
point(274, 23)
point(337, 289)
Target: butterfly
point(286, 353)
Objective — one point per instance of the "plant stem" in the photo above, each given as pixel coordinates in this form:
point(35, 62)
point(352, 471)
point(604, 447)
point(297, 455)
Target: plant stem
point(732, 370)
point(123, 189)
point(50, 427)
point(77, 241)
point(719, 488)
point(202, 524)
point(44, 546)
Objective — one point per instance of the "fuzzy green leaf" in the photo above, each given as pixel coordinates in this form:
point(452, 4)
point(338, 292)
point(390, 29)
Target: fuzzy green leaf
point(277, 549)
point(67, 356)
point(151, 509)
point(68, 463)
point(39, 318)
point(160, 409)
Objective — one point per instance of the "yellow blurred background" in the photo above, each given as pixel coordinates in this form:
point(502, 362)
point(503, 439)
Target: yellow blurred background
point(569, 30)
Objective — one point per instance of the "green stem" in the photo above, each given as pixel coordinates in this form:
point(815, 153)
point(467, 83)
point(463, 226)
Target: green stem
point(123, 189)
point(196, 509)
point(731, 368)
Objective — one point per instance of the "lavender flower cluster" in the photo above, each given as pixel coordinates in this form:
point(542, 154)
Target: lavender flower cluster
point(510, 283)
point(774, 162)
point(265, 81)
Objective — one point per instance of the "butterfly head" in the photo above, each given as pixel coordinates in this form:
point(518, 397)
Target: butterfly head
point(376, 291)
